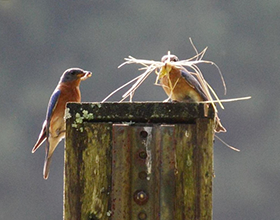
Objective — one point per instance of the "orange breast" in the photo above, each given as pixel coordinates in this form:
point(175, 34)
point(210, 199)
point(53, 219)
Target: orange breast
point(177, 88)
point(69, 93)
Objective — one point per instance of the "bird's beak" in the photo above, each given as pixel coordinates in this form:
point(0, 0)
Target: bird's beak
point(85, 75)
point(165, 69)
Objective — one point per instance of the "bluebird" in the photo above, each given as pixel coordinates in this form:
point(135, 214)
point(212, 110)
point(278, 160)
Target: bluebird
point(182, 86)
point(53, 129)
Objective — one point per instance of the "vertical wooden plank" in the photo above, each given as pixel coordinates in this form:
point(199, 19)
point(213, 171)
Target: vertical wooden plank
point(185, 136)
point(97, 171)
point(190, 169)
point(143, 172)
point(156, 152)
point(167, 171)
point(194, 160)
point(133, 173)
point(87, 172)
point(204, 160)
point(121, 173)
point(72, 165)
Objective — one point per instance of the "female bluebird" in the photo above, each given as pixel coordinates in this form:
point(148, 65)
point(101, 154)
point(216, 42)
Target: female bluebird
point(53, 129)
point(181, 86)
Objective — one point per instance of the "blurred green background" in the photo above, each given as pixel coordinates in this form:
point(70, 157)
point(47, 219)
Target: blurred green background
point(40, 39)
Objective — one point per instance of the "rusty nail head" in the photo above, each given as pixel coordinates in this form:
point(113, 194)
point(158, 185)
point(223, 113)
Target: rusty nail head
point(141, 197)
point(143, 155)
point(142, 175)
point(142, 215)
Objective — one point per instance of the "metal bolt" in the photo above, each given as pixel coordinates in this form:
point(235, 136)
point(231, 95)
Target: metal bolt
point(142, 215)
point(141, 197)
point(142, 175)
point(143, 155)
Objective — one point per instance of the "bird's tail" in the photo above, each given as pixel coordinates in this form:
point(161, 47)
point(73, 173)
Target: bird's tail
point(48, 158)
point(42, 137)
point(218, 125)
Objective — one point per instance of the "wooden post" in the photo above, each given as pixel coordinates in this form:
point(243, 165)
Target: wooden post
point(138, 161)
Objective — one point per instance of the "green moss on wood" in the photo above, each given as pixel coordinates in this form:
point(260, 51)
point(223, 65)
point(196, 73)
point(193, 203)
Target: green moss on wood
point(143, 112)
point(93, 164)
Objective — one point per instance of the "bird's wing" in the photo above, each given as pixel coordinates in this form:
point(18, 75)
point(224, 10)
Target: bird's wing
point(51, 107)
point(45, 128)
point(193, 82)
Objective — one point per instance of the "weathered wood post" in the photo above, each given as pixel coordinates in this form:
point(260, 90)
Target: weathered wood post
point(138, 161)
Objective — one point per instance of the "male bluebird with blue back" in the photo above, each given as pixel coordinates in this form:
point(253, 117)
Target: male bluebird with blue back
point(53, 129)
